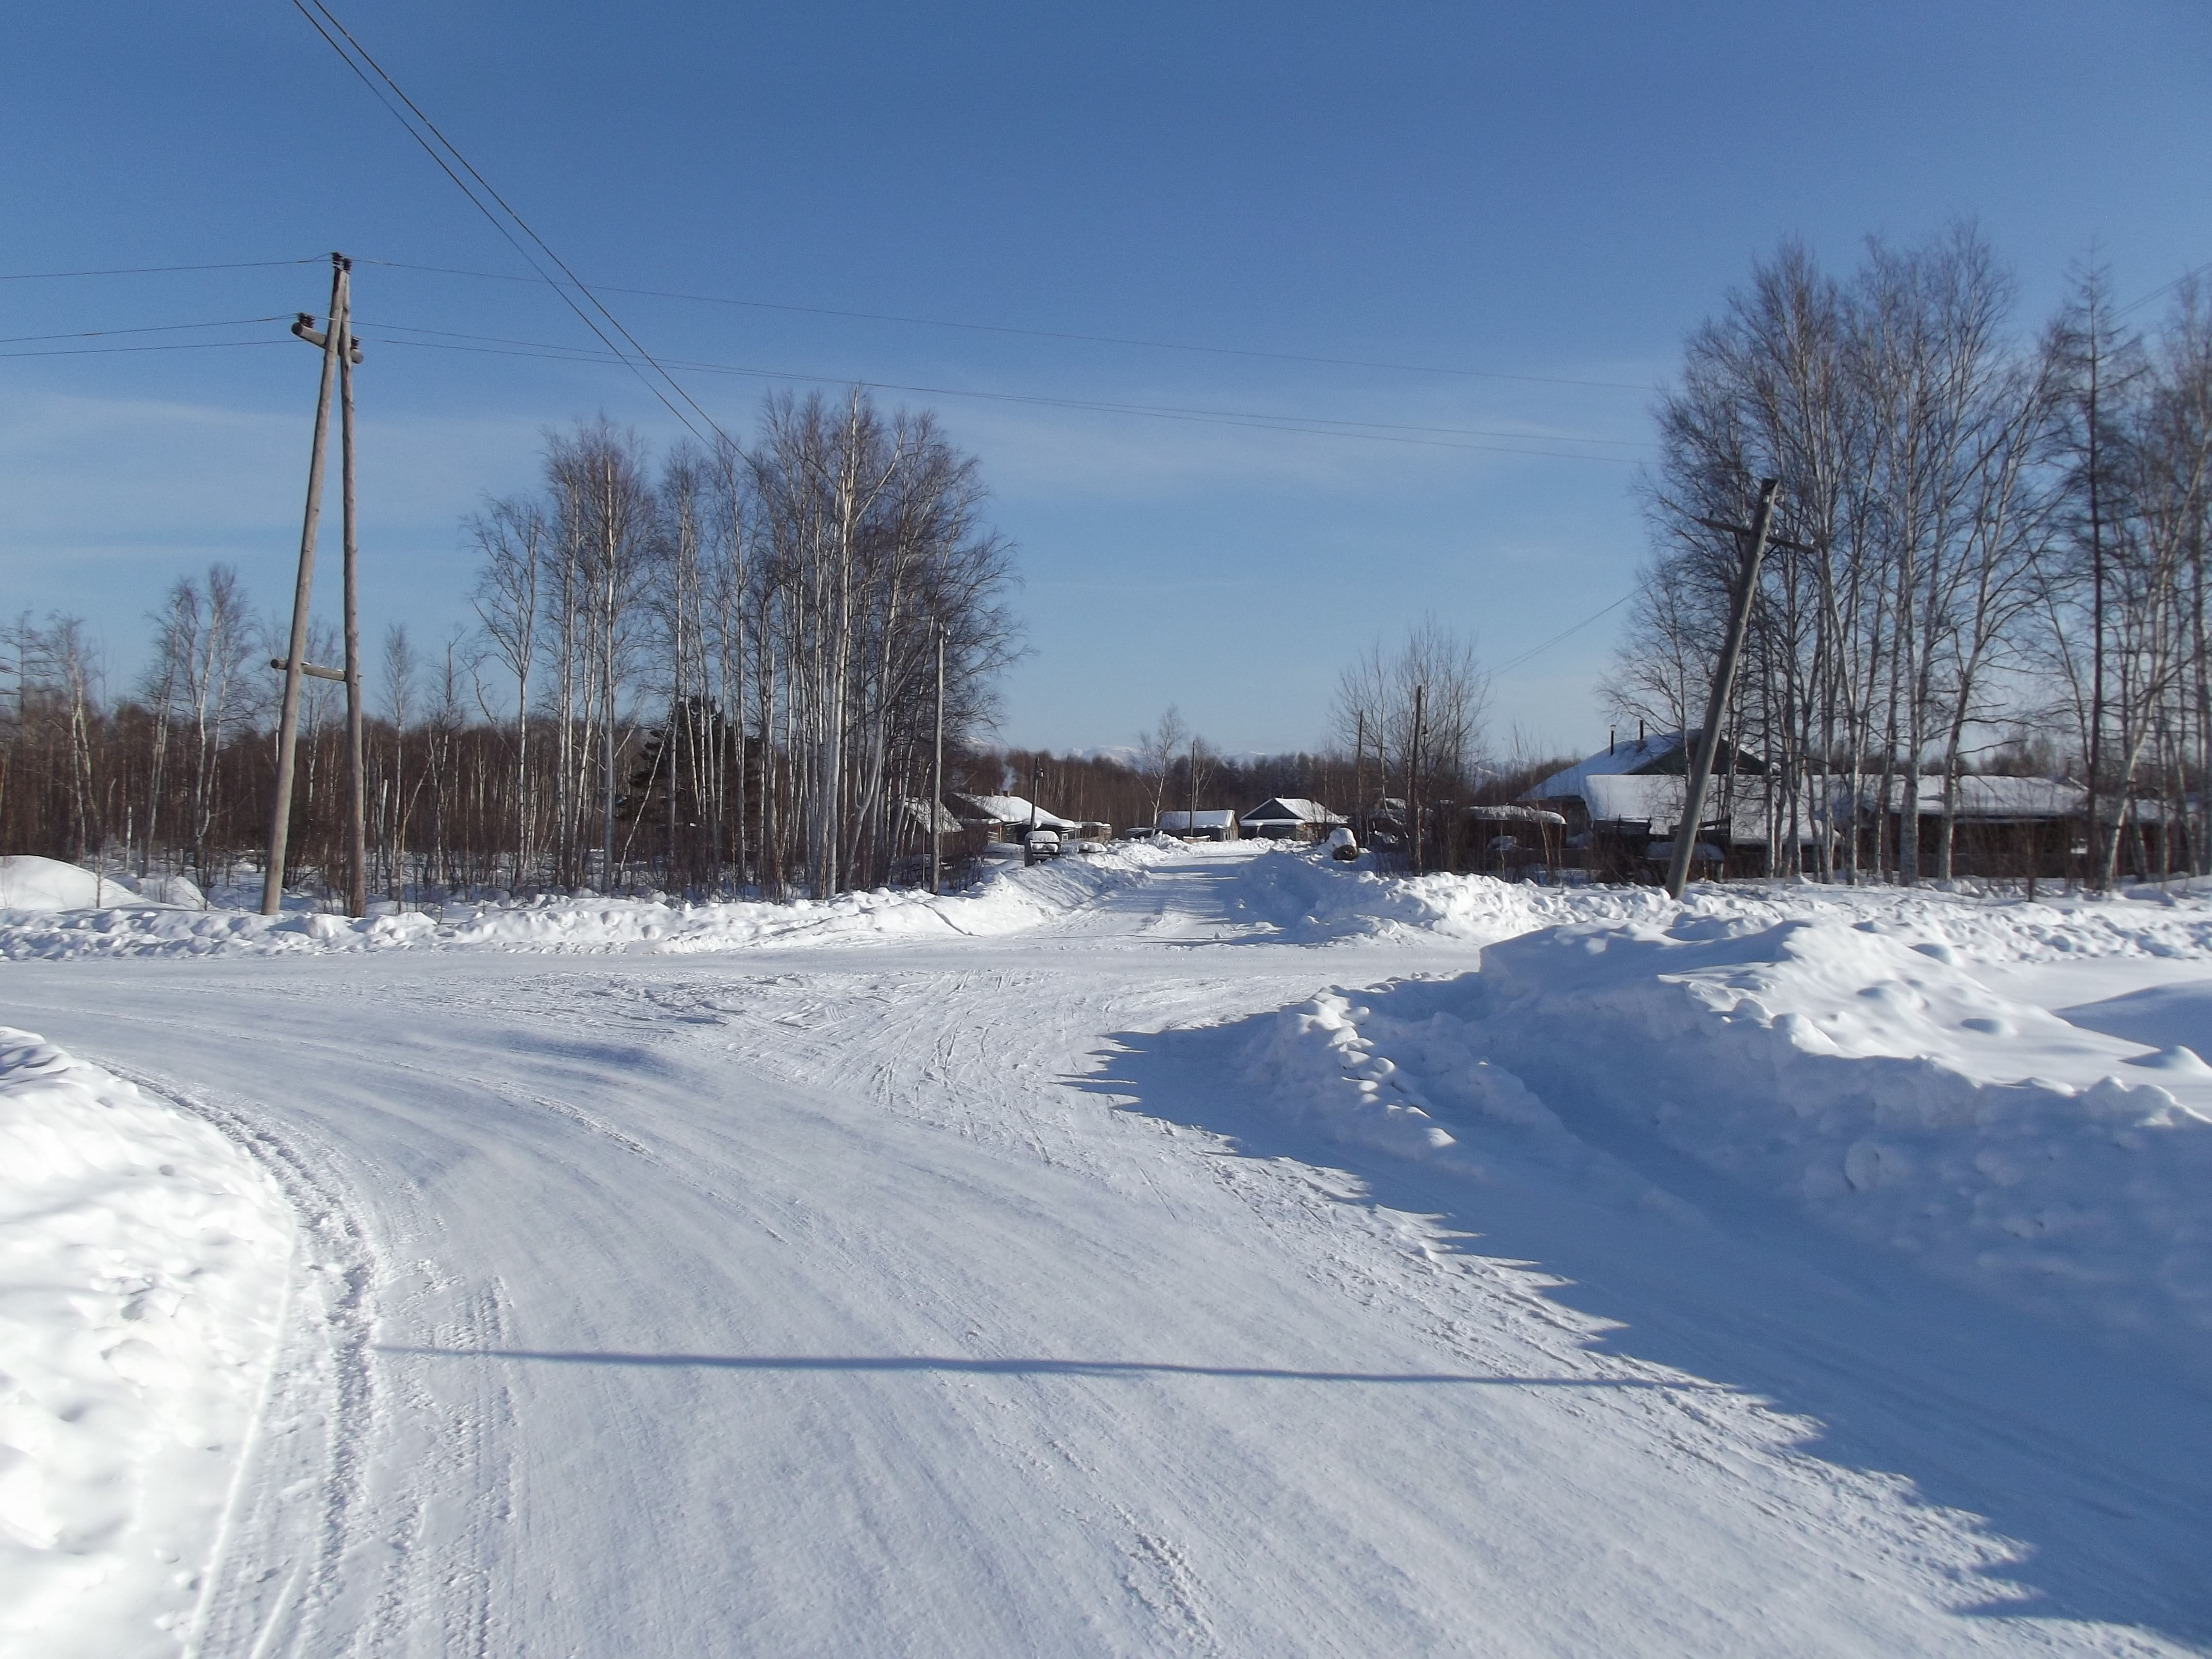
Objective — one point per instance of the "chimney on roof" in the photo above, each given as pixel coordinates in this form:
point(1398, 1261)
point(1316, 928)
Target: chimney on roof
point(1639, 735)
point(1609, 735)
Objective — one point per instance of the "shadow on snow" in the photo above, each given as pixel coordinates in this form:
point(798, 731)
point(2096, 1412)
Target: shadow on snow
point(2098, 1469)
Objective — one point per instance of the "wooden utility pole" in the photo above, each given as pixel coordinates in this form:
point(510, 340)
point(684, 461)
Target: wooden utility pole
point(1358, 760)
point(2097, 881)
point(1413, 786)
point(937, 773)
point(1754, 544)
point(288, 726)
point(356, 762)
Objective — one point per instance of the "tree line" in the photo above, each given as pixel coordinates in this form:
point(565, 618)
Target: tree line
point(715, 670)
point(1990, 552)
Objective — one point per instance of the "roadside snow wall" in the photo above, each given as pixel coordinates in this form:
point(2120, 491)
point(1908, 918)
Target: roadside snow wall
point(1868, 1082)
point(1008, 902)
point(143, 1266)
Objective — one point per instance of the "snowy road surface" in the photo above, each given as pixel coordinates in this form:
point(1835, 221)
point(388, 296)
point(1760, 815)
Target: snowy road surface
point(945, 1295)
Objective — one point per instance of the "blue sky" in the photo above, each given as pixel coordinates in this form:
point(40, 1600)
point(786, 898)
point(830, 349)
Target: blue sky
point(1557, 194)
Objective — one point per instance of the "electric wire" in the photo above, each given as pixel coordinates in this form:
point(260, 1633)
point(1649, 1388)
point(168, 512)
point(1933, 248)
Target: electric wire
point(1038, 333)
point(450, 149)
point(109, 351)
point(151, 328)
point(1076, 402)
point(2167, 288)
point(1594, 616)
point(153, 271)
point(1257, 422)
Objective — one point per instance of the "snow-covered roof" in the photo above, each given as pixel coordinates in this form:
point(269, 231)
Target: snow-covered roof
point(1010, 809)
point(1513, 815)
point(1209, 819)
point(1981, 797)
point(1658, 800)
point(1658, 754)
point(1288, 809)
point(1621, 759)
point(1607, 796)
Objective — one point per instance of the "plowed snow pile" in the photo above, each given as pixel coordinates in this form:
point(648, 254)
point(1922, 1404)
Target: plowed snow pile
point(1816, 1062)
point(64, 921)
point(143, 1266)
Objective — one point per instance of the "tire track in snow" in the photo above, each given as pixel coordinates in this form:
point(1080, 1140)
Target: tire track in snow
point(358, 1577)
point(275, 1578)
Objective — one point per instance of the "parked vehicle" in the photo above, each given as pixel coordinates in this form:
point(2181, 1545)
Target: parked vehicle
point(1040, 845)
point(1343, 844)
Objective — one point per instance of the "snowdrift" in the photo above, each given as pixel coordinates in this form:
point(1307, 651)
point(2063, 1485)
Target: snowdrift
point(1006, 902)
point(1827, 1064)
point(143, 1261)
point(28, 883)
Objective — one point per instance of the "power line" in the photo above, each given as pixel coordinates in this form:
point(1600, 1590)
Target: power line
point(1041, 333)
point(108, 351)
point(151, 328)
point(448, 148)
point(153, 271)
point(1128, 408)
point(1256, 423)
point(1555, 638)
point(2168, 288)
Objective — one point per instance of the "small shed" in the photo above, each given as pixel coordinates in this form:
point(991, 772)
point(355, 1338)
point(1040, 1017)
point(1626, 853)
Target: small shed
point(1288, 819)
point(1509, 839)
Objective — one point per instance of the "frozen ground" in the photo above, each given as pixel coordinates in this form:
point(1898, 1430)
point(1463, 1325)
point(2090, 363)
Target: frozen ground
point(1183, 1253)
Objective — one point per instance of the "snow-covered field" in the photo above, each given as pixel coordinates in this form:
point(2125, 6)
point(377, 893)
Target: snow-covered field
point(1209, 1251)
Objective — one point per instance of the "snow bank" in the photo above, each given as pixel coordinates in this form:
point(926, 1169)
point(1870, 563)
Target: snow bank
point(1008, 901)
point(143, 1267)
point(1824, 1063)
point(1307, 898)
point(28, 883)
point(1301, 896)
point(1322, 1062)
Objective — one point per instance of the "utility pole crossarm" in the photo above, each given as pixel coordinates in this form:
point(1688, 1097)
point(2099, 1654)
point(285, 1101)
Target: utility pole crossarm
point(303, 324)
point(1741, 530)
point(1753, 542)
point(312, 670)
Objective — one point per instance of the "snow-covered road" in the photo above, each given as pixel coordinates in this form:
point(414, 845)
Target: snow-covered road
point(945, 1295)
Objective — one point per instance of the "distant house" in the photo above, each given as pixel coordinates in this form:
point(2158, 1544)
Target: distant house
point(1618, 803)
point(1289, 819)
point(1661, 755)
point(1381, 826)
point(1999, 826)
point(1004, 817)
point(1209, 825)
point(1623, 810)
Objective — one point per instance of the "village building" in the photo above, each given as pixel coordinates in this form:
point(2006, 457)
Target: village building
point(1004, 817)
point(1623, 809)
point(1291, 818)
point(1207, 826)
point(1999, 826)
point(1620, 805)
